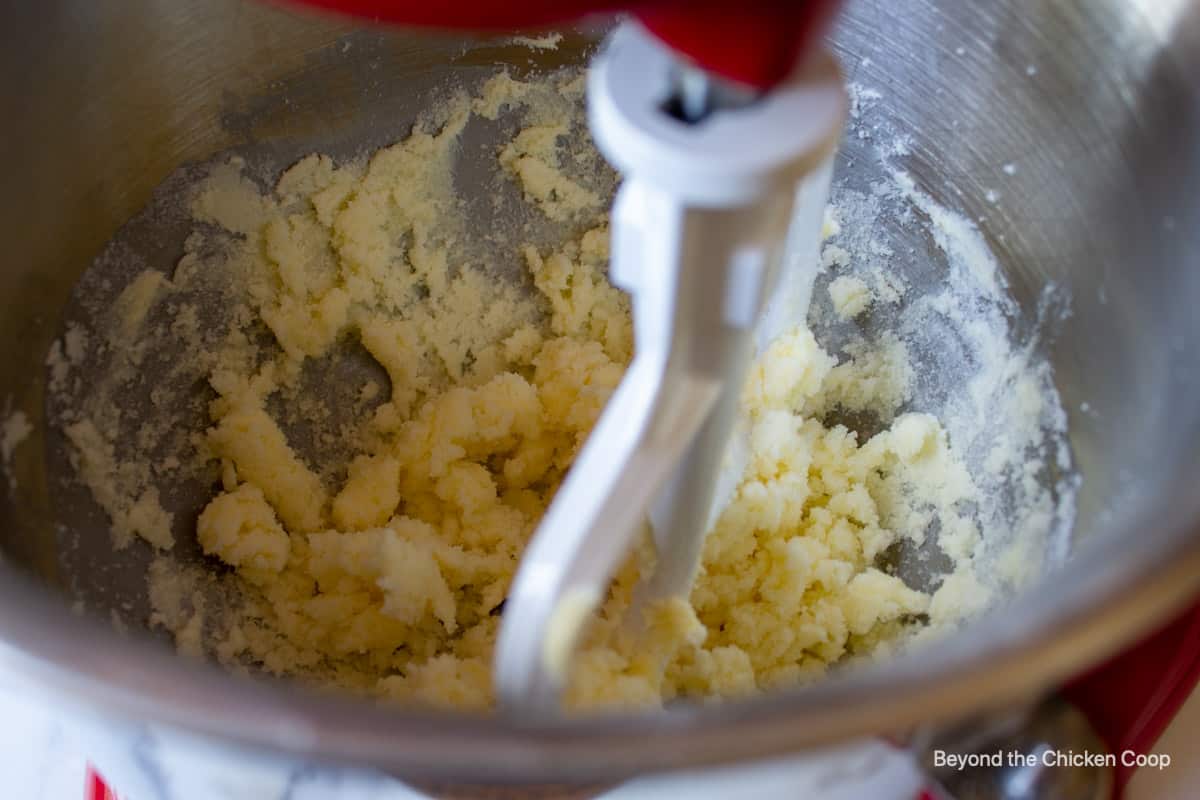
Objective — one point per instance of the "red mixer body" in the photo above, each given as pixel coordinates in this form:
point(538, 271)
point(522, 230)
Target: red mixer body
point(752, 42)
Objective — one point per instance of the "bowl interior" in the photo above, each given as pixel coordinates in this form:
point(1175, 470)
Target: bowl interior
point(1067, 132)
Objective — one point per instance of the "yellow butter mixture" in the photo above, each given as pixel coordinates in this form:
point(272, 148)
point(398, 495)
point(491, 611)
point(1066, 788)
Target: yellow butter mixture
point(377, 558)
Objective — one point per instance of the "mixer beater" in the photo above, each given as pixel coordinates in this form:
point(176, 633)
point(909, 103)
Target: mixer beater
point(723, 122)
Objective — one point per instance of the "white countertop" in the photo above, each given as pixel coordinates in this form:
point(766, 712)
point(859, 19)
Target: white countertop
point(44, 759)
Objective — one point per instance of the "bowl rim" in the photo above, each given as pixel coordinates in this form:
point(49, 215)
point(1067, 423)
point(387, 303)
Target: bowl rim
point(1010, 656)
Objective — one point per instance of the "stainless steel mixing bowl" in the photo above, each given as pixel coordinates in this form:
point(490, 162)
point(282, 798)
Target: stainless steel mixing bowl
point(1099, 102)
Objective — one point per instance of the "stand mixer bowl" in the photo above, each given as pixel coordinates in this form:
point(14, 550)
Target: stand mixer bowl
point(1098, 102)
